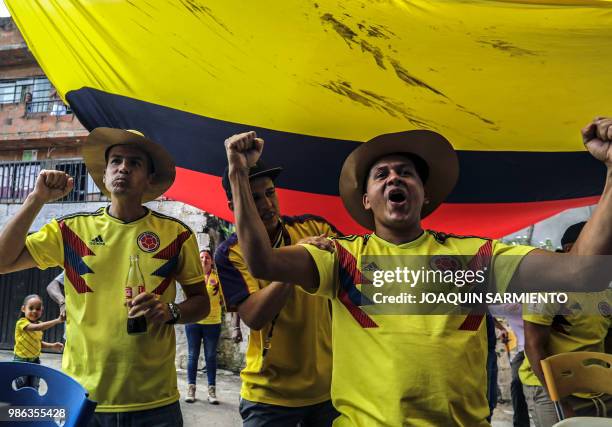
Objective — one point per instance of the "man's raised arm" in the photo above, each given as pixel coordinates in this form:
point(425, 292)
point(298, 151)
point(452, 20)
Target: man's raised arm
point(291, 264)
point(596, 236)
point(50, 185)
point(579, 270)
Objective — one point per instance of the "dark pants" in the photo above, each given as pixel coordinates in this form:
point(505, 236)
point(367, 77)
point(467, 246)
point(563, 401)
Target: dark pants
point(519, 405)
point(166, 416)
point(491, 366)
point(264, 415)
point(27, 381)
point(209, 334)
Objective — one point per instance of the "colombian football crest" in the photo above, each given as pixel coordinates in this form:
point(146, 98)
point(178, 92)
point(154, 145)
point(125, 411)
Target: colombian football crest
point(445, 263)
point(148, 241)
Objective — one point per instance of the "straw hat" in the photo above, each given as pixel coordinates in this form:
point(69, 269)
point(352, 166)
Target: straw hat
point(431, 147)
point(101, 139)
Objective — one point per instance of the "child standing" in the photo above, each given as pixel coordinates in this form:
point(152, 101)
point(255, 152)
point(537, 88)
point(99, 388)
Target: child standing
point(29, 336)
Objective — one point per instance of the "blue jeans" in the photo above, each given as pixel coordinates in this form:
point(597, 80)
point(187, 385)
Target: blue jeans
point(166, 416)
point(209, 334)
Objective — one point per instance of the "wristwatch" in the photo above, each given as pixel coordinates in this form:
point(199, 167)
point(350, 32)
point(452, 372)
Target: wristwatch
point(175, 312)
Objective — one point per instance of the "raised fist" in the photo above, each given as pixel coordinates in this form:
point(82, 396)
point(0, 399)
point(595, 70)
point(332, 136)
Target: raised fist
point(243, 150)
point(52, 185)
point(597, 137)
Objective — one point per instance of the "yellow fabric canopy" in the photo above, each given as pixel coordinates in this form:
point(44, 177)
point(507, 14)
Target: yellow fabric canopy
point(509, 83)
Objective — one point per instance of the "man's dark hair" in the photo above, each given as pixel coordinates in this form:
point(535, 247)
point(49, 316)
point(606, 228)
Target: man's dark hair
point(419, 165)
point(572, 233)
point(149, 159)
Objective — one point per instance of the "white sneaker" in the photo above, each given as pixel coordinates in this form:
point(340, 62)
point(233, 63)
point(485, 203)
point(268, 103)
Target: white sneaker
point(212, 395)
point(191, 391)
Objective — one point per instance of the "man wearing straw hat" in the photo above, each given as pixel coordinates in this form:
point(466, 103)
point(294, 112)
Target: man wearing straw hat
point(132, 377)
point(391, 369)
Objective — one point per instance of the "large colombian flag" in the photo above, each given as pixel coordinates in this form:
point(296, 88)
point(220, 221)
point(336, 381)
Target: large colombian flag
point(509, 83)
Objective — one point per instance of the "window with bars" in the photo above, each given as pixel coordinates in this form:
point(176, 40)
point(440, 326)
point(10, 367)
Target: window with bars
point(17, 180)
point(37, 93)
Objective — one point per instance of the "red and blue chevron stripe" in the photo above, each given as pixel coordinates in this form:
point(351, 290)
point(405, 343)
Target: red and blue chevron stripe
point(170, 253)
point(349, 275)
point(74, 251)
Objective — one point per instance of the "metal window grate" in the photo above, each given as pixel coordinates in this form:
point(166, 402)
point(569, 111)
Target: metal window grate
point(17, 180)
point(37, 93)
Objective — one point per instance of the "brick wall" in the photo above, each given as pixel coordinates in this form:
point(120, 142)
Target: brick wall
point(9, 34)
point(20, 72)
point(20, 131)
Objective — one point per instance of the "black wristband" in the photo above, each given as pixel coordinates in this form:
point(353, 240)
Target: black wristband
point(175, 312)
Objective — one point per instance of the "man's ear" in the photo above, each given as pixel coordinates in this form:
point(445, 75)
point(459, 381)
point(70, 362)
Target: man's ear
point(366, 202)
point(230, 205)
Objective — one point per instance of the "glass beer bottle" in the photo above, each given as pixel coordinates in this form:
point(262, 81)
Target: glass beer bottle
point(136, 324)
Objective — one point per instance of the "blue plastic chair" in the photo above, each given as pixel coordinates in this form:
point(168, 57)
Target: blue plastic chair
point(62, 391)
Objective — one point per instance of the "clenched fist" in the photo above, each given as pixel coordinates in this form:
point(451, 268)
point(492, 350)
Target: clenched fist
point(243, 150)
point(52, 185)
point(597, 137)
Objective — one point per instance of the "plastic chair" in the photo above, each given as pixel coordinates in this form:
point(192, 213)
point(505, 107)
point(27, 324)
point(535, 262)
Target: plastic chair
point(62, 391)
point(577, 372)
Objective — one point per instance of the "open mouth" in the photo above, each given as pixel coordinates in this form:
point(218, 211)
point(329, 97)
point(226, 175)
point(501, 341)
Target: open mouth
point(268, 216)
point(397, 196)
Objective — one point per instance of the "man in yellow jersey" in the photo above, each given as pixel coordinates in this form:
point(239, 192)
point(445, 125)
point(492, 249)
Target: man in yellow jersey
point(580, 324)
point(132, 377)
point(390, 369)
point(287, 378)
point(206, 331)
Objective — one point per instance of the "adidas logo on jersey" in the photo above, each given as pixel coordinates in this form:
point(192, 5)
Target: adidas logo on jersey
point(97, 241)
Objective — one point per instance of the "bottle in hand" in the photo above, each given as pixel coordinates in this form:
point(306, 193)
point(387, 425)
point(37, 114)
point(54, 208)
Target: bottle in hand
point(136, 324)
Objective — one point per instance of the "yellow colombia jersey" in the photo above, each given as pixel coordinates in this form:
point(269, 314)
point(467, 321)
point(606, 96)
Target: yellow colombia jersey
point(296, 368)
point(121, 372)
point(574, 326)
point(413, 370)
point(27, 343)
point(215, 297)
